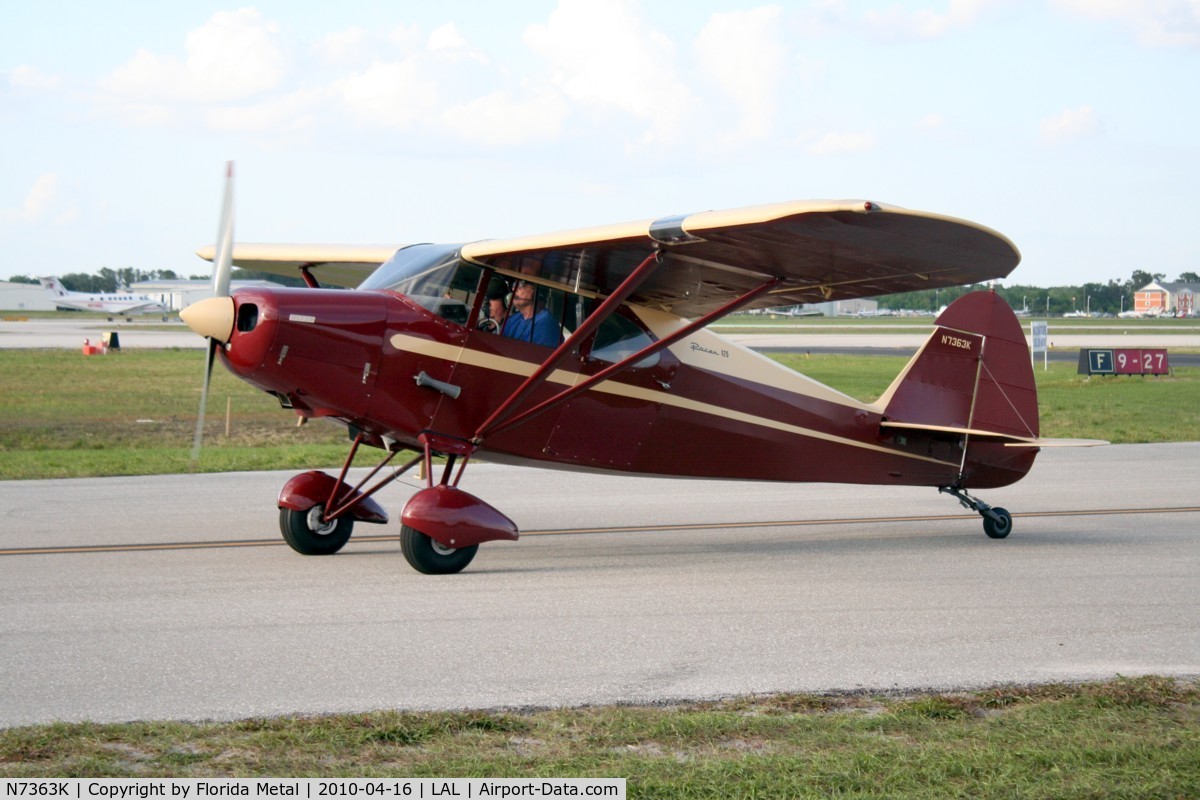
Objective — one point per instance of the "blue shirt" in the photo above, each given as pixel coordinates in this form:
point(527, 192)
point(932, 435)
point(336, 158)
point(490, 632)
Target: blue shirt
point(539, 329)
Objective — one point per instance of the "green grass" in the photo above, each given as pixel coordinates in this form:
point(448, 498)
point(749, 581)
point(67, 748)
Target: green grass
point(1122, 410)
point(1127, 738)
point(66, 415)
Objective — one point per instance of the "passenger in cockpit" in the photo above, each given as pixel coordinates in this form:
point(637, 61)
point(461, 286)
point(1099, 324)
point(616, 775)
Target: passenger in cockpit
point(496, 311)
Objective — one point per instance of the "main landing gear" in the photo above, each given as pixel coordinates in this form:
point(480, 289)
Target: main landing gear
point(997, 522)
point(441, 525)
point(309, 533)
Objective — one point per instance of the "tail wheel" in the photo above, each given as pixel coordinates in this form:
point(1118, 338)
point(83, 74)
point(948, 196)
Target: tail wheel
point(432, 557)
point(999, 525)
point(310, 534)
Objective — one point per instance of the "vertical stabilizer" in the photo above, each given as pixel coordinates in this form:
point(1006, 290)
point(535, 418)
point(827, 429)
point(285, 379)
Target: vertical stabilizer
point(973, 373)
point(53, 285)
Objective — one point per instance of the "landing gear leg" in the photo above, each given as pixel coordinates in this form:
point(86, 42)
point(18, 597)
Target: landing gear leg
point(997, 522)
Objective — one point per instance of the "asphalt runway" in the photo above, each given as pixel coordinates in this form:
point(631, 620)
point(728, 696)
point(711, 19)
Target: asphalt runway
point(174, 597)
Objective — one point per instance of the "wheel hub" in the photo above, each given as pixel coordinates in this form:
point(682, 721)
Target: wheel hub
point(440, 548)
point(317, 522)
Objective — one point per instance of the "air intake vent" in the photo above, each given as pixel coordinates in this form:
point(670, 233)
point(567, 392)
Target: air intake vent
point(247, 317)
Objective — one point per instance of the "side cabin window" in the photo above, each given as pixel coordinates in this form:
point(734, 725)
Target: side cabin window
point(554, 314)
point(434, 277)
point(619, 337)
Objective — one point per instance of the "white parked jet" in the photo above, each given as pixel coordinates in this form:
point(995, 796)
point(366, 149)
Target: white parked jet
point(112, 303)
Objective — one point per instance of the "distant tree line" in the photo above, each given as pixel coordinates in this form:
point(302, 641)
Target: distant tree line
point(106, 280)
point(1111, 298)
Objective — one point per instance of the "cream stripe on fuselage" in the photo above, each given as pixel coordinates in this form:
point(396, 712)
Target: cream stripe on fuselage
point(513, 366)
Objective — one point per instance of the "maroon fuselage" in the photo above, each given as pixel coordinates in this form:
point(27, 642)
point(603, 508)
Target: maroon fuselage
point(355, 356)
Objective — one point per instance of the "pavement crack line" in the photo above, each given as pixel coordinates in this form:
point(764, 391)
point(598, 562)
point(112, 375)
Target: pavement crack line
point(699, 526)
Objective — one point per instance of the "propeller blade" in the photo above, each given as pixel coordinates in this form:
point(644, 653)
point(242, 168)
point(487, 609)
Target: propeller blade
point(222, 269)
point(213, 344)
point(223, 260)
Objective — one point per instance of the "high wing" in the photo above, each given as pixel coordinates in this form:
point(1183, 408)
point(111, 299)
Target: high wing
point(821, 251)
point(331, 264)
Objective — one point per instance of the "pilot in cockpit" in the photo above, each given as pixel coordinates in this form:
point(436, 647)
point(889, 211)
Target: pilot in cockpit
point(528, 321)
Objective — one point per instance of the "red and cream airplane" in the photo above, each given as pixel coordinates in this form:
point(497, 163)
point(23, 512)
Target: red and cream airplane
point(588, 350)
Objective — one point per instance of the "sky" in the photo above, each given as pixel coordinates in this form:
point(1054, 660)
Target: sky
point(1070, 126)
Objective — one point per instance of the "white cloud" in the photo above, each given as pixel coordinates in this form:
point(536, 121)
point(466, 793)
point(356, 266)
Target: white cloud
point(894, 22)
point(393, 94)
point(436, 77)
point(603, 54)
point(1156, 23)
point(898, 22)
point(1070, 125)
point(40, 198)
point(448, 42)
point(43, 202)
point(741, 52)
point(343, 47)
point(837, 143)
point(406, 37)
point(446, 37)
point(498, 120)
point(290, 112)
point(27, 77)
point(932, 122)
point(233, 56)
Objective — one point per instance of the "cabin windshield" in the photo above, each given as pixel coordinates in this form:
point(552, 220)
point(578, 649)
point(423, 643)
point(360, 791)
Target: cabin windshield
point(419, 269)
point(432, 276)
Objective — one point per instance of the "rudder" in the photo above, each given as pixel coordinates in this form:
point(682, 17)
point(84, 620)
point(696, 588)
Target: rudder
point(972, 374)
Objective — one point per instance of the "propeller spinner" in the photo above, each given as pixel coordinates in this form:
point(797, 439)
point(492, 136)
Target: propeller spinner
point(213, 317)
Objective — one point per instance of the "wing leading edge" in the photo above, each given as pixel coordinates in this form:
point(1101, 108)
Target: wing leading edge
point(332, 264)
point(822, 250)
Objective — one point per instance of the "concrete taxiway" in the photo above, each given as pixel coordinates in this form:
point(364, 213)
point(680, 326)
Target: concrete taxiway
point(173, 597)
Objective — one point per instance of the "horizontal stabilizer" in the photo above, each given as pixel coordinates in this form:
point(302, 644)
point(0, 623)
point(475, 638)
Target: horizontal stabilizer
point(1009, 440)
point(976, 432)
point(1059, 443)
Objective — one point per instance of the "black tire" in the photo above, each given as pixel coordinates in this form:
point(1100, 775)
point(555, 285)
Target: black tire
point(307, 535)
point(428, 556)
point(1000, 527)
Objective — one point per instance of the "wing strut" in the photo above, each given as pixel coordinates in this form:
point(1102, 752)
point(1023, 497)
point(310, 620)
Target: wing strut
point(539, 376)
point(649, 350)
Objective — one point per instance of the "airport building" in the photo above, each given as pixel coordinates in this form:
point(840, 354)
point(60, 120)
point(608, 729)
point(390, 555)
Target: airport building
point(1166, 298)
point(25, 297)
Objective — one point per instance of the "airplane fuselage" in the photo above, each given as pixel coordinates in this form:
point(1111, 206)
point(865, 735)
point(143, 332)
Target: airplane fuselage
point(704, 407)
point(588, 350)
